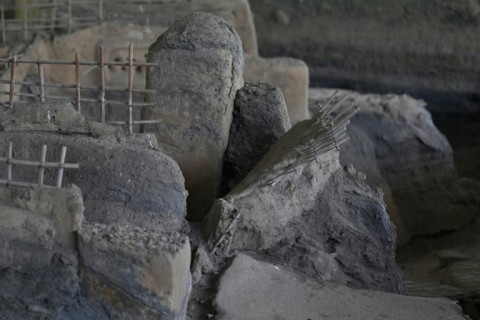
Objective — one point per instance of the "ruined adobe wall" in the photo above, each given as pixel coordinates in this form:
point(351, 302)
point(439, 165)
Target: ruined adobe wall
point(429, 49)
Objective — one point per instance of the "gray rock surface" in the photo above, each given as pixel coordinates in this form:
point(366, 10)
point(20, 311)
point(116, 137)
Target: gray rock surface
point(39, 216)
point(412, 157)
point(302, 209)
point(199, 70)
point(259, 119)
point(251, 289)
point(124, 179)
point(135, 272)
point(290, 75)
point(38, 263)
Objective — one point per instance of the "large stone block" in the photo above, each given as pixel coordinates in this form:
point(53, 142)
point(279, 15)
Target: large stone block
point(260, 118)
point(303, 210)
point(136, 272)
point(254, 290)
point(199, 70)
point(290, 75)
point(124, 179)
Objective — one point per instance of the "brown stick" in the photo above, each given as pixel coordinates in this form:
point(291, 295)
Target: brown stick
point(43, 158)
point(83, 63)
point(37, 163)
point(77, 84)
point(41, 82)
point(130, 88)
point(63, 154)
point(12, 80)
point(102, 83)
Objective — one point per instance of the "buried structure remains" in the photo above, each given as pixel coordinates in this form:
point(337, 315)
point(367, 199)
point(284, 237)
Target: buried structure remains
point(261, 187)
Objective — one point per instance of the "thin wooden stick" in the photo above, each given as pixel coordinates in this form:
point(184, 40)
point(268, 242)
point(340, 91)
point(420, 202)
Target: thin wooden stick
point(43, 158)
point(41, 82)
point(227, 231)
point(12, 80)
point(102, 83)
point(4, 39)
point(61, 166)
point(47, 164)
point(9, 162)
point(130, 88)
point(77, 84)
point(82, 63)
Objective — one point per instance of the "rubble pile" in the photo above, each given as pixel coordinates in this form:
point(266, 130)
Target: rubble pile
point(241, 203)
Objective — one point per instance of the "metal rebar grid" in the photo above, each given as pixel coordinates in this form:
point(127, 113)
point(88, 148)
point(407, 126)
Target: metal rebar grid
point(42, 164)
point(101, 91)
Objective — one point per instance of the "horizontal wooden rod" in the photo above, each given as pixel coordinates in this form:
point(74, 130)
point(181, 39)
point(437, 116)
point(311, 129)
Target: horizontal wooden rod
point(39, 163)
point(82, 63)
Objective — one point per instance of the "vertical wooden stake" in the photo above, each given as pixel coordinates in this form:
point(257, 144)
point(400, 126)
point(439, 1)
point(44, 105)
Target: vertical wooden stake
point(3, 23)
point(77, 84)
point(42, 165)
point(41, 82)
point(61, 166)
point(102, 83)
point(9, 165)
point(130, 88)
point(13, 66)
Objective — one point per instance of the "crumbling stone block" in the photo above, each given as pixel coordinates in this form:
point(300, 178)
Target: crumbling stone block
point(252, 289)
point(260, 118)
point(301, 208)
point(199, 70)
point(124, 179)
point(136, 272)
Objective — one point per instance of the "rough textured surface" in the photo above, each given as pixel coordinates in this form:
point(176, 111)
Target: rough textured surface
point(259, 119)
point(38, 264)
point(413, 157)
point(52, 291)
point(290, 75)
point(199, 70)
point(251, 289)
point(134, 272)
point(51, 206)
point(123, 178)
point(313, 217)
point(427, 49)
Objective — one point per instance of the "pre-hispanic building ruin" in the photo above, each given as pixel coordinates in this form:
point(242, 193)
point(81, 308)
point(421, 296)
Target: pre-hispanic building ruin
point(202, 159)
